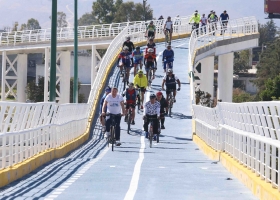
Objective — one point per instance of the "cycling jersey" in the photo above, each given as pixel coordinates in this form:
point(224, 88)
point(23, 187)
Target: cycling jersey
point(195, 19)
point(131, 96)
point(130, 46)
point(168, 25)
point(170, 80)
point(213, 18)
point(152, 109)
point(125, 58)
point(163, 105)
point(137, 56)
point(203, 20)
point(151, 28)
point(224, 17)
point(149, 45)
point(168, 55)
point(150, 57)
point(141, 82)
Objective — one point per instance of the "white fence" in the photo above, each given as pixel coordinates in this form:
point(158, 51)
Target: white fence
point(27, 129)
point(249, 132)
point(210, 33)
point(84, 32)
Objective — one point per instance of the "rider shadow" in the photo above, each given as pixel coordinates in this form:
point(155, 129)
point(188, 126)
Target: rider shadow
point(159, 76)
point(180, 116)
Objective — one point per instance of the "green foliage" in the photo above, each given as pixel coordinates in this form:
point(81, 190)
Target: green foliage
point(81, 97)
point(269, 64)
point(87, 19)
point(241, 61)
point(32, 24)
point(240, 96)
point(104, 11)
point(61, 20)
point(267, 32)
point(272, 89)
point(35, 92)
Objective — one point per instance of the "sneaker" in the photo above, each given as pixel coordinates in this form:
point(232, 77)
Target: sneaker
point(162, 127)
point(147, 135)
point(121, 75)
point(107, 134)
point(118, 143)
point(133, 122)
point(103, 129)
point(174, 100)
point(125, 118)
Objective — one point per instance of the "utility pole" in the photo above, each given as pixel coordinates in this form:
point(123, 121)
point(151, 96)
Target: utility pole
point(144, 8)
point(52, 96)
point(75, 82)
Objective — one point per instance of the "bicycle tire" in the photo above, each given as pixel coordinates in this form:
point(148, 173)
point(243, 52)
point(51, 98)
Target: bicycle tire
point(158, 138)
point(150, 78)
point(170, 105)
point(113, 137)
point(124, 81)
point(151, 136)
point(139, 99)
point(128, 121)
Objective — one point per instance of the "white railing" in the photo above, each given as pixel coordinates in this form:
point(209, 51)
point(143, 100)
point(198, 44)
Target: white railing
point(210, 33)
point(249, 132)
point(84, 32)
point(27, 129)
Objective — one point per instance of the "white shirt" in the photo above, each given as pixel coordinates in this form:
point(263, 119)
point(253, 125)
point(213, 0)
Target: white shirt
point(152, 109)
point(203, 20)
point(168, 24)
point(114, 104)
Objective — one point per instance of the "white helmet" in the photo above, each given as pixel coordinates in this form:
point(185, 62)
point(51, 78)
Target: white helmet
point(150, 50)
point(170, 70)
point(125, 48)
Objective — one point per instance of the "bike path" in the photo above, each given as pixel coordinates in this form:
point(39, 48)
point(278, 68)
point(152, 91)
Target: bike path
point(173, 169)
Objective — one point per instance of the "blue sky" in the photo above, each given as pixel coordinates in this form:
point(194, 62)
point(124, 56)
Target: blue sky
point(22, 10)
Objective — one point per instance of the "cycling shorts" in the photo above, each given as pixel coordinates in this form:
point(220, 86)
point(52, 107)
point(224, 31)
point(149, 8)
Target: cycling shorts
point(169, 88)
point(142, 89)
point(130, 105)
point(149, 65)
point(138, 61)
point(151, 34)
point(168, 30)
point(170, 64)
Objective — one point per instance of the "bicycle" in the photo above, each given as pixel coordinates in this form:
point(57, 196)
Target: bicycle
point(125, 78)
point(151, 131)
point(129, 118)
point(167, 37)
point(150, 76)
point(170, 98)
point(139, 99)
point(111, 139)
point(169, 65)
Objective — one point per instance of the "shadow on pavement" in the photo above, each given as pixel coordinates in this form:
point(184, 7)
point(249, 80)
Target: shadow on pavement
point(180, 116)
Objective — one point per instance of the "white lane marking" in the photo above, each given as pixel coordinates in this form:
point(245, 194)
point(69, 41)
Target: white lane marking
point(136, 173)
point(78, 174)
point(181, 45)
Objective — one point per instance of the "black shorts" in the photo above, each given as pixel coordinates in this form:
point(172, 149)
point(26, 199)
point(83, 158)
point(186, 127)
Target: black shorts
point(142, 89)
point(151, 34)
point(127, 106)
point(170, 88)
point(168, 30)
point(149, 65)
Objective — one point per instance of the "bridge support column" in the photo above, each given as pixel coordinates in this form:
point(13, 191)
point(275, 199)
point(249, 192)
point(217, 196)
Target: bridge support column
point(65, 59)
point(207, 75)
point(93, 63)
point(22, 77)
point(3, 81)
point(47, 74)
point(225, 77)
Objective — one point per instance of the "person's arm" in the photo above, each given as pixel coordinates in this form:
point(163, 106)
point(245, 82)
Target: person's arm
point(155, 62)
point(145, 80)
point(145, 110)
point(164, 26)
point(172, 53)
point(163, 55)
point(179, 84)
point(104, 106)
point(144, 61)
point(133, 47)
point(123, 110)
point(158, 110)
point(163, 82)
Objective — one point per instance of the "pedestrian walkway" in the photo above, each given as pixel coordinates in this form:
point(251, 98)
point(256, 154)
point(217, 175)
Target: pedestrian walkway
point(173, 169)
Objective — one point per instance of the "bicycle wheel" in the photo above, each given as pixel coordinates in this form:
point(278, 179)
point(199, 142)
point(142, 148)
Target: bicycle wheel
point(151, 136)
point(170, 105)
point(128, 121)
point(113, 137)
point(150, 77)
point(124, 80)
point(158, 138)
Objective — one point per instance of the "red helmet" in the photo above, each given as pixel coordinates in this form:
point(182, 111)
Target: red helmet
point(159, 93)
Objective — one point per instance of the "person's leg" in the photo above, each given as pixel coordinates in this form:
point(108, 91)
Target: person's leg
point(164, 66)
point(126, 110)
point(146, 123)
point(142, 97)
point(108, 123)
point(141, 64)
point(133, 113)
point(118, 128)
point(121, 69)
point(162, 120)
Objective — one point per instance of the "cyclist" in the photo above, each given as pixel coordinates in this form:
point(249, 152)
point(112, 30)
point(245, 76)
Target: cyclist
point(168, 57)
point(151, 30)
point(137, 59)
point(213, 19)
point(195, 19)
point(203, 21)
point(224, 19)
point(128, 44)
point(168, 27)
point(163, 108)
point(160, 18)
point(170, 81)
point(102, 118)
point(151, 113)
point(196, 11)
point(150, 62)
point(114, 103)
point(140, 81)
point(125, 60)
point(130, 93)
point(151, 44)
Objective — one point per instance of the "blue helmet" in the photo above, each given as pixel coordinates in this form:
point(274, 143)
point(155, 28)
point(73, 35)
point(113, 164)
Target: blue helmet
point(108, 89)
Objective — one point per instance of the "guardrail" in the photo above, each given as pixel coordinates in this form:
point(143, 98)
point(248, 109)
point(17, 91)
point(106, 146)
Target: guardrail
point(84, 32)
point(27, 129)
point(248, 132)
point(210, 33)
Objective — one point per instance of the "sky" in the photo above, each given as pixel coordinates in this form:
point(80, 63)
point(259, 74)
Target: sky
point(22, 10)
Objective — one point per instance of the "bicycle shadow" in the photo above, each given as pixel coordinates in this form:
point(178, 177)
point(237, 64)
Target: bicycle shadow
point(175, 115)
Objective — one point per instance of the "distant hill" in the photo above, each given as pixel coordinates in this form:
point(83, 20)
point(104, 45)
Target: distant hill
point(21, 10)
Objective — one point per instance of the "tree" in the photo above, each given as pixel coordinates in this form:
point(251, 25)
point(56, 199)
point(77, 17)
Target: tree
point(239, 96)
point(104, 11)
point(130, 11)
point(87, 19)
point(272, 89)
point(241, 61)
point(269, 64)
point(267, 32)
point(61, 20)
point(32, 24)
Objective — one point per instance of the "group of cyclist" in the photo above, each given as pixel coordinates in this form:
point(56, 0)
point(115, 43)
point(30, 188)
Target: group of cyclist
point(157, 107)
point(212, 18)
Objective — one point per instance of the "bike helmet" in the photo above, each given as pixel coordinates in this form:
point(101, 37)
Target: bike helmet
point(159, 93)
point(152, 96)
point(168, 17)
point(168, 44)
point(131, 84)
point(150, 50)
point(125, 48)
point(151, 39)
point(108, 89)
point(151, 22)
point(170, 71)
point(140, 71)
point(137, 47)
